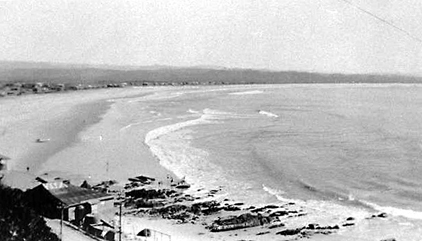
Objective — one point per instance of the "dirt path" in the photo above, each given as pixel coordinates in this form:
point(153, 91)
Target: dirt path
point(69, 234)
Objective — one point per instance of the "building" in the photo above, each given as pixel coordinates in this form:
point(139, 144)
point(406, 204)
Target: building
point(4, 165)
point(72, 203)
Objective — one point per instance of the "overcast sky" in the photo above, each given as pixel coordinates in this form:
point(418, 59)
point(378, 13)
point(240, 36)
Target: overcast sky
point(310, 35)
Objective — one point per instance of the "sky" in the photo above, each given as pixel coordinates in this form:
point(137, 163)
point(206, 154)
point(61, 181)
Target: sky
point(302, 35)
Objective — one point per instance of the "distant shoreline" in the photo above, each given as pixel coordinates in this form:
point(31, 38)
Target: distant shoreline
point(17, 78)
point(17, 89)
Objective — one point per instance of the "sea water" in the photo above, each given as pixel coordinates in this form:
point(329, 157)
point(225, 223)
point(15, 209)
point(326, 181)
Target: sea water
point(335, 148)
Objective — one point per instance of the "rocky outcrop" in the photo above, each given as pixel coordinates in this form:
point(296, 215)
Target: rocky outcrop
point(150, 193)
point(309, 230)
point(288, 232)
point(237, 222)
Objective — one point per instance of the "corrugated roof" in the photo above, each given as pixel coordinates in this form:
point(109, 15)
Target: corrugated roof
point(71, 195)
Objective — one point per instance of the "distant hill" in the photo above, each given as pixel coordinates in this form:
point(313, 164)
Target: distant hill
point(29, 72)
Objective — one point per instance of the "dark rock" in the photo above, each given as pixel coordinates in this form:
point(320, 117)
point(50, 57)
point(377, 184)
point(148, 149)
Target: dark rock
point(381, 215)
point(245, 220)
point(279, 225)
point(145, 203)
point(271, 206)
point(175, 211)
point(315, 226)
point(85, 185)
point(258, 210)
point(289, 232)
point(350, 219)
point(150, 193)
point(262, 233)
point(312, 226)
point(205, 207)
point(231, 208)
point(348, 224)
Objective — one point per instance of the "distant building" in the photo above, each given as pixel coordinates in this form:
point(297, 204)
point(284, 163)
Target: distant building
point(55, 199)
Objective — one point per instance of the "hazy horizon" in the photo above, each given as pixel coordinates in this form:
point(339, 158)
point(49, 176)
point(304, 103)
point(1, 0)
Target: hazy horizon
point(17, 64)
point(324, 36)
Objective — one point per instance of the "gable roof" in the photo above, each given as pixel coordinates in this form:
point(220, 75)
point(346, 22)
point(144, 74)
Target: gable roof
point(71, 195)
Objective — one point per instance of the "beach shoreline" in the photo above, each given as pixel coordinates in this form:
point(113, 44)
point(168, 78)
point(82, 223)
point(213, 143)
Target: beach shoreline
point(105, 147)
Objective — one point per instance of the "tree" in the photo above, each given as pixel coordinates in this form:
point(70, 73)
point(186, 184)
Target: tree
point(18, 221)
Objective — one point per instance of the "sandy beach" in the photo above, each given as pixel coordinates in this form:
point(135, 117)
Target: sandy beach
point(73, 124)
point(89, 140)
point(85, 142)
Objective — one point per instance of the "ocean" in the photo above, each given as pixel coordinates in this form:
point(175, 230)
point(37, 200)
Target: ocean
point(341, 150)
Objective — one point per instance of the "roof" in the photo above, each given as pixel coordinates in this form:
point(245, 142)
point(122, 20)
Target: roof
point(4, 157)
point(71, 195)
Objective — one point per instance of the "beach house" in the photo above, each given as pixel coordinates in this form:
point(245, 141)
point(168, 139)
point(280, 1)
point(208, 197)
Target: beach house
point(71, 203)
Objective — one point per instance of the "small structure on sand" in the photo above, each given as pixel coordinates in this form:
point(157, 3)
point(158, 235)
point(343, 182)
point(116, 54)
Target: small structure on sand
point(4, 163)
point(150, 234)
point(42, 140)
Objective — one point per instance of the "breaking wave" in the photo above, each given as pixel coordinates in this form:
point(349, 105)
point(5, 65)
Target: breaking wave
point(206, 118)
point(407, 213)
point(183, 159)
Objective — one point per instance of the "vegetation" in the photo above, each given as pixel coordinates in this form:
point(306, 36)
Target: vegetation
point(18, 221)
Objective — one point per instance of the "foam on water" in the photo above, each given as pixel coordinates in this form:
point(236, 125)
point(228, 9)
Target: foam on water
point(344, 210)
point(327, 208)
point(193, 111)
point(407, 213)
point(266, 113)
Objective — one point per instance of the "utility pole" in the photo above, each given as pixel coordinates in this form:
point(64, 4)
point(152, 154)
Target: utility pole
point(120, 221)
point(120, 215)
point(61, 222)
